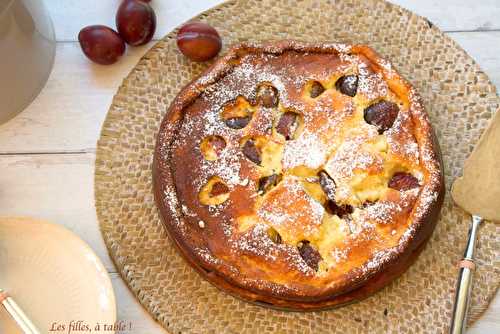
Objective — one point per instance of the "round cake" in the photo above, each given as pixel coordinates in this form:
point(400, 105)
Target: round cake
point(297, 175)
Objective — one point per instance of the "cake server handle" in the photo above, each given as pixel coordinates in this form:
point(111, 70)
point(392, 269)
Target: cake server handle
point(464, 284)
point(17, 314)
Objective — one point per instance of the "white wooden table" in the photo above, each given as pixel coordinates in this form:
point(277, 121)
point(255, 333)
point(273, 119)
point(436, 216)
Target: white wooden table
point(47, 152)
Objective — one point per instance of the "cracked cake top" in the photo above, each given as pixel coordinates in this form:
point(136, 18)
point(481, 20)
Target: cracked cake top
point(296, 171)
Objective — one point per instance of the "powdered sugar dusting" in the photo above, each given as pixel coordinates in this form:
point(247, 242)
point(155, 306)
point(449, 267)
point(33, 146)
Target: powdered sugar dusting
point(401, 141)
point(323, 144)
point(281, 210)
point(427, 198)
point(172, 203)
point(256, 242)
point(351, 156)
point(372, 86)
point(227, 167)
point(307, 151)
point(187, 211)
point(383, 212)
point(207, 256)
point(378, 258)
point(339, 254)
point(247, 75)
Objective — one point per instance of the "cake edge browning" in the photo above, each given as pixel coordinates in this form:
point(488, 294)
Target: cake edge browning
point(358, 284)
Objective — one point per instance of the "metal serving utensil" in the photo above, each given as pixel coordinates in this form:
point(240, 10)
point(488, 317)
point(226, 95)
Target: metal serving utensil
point(17, 314)
point(478, 193)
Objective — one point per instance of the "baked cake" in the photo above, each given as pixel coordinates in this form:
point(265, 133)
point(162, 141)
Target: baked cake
point(296, 175)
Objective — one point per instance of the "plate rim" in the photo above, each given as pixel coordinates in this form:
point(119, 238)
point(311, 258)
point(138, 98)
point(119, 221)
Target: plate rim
point(83, 247)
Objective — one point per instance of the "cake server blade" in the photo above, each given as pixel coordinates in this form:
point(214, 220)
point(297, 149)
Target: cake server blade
point(478, 193)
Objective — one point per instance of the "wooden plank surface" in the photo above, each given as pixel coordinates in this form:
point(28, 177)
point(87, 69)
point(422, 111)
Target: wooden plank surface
point(68, 114)
point(457, 15)
point(449, 15)
point(484, 48)
point(130, 311)
point(47, 152)
point(58, 187)
point(169, 14)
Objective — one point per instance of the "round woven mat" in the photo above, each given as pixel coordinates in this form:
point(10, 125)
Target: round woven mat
point(459, 98)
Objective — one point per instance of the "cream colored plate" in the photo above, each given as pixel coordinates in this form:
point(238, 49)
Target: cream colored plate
point(54, 276)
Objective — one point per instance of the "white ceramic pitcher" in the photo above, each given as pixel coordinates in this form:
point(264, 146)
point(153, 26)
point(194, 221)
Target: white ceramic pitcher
point(27, 49)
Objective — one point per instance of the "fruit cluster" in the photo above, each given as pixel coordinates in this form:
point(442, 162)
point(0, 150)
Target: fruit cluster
point(136, 25)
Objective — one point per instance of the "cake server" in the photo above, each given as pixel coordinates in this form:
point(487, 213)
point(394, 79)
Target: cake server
point(478, 193)
point(17, 314)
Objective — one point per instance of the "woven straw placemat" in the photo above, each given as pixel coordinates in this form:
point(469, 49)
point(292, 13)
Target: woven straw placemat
point(458, 96)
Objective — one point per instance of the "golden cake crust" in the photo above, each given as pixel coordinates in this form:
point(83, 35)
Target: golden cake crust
point(279, 240)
